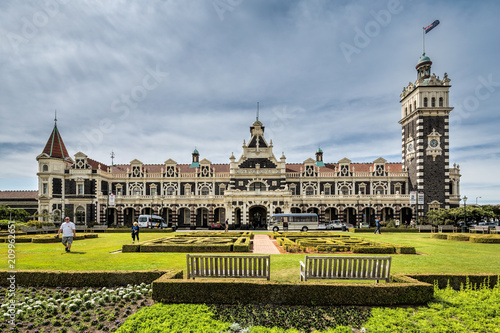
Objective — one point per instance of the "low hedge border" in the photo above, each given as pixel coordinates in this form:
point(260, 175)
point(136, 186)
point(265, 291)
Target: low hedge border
point(400, 229)
point(438, 236)
point(458, 281)
point(491, 239)
point(233, 291)
point(218, 234)
point(85, 279)
point(142, 230)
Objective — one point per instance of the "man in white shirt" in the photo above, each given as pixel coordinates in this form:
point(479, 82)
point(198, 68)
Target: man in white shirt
point(69, 231)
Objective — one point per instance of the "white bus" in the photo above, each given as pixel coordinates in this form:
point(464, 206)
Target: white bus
point(298, 221)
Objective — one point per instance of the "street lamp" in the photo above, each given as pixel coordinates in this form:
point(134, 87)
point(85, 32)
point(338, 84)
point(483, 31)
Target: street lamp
point(161, 209)
point(465, 210)
point(62, 209)
point(477, 198)
point(357, 217)
point(370, 213)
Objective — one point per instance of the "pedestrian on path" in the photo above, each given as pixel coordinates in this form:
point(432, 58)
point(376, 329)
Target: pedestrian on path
point(379, 226)
point(227, 225)
point(68, 230)
point(135, 232)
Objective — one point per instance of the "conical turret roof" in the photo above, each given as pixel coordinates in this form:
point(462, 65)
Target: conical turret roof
point(55, 146)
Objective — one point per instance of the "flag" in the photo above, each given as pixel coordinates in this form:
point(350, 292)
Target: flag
point(432, 26)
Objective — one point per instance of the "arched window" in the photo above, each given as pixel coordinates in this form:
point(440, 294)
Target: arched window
point(170, 190)
point(414, 105)
point(379, 190)
point(205, 190)
point(425, 102)
point(45, 168)
point(433, 102)
point(440, 101)
point(257, 186)
point(410, 108)
point(136, 190)
point(80, 215)
point(344, 190)
point(309, 190)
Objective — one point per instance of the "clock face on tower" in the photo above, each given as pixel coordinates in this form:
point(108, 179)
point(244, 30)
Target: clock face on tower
point(433, 143)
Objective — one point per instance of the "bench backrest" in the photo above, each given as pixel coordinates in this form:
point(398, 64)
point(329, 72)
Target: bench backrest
point(349, 268)
point(26, 229)
point(100, 227)
point(447, 227)
point(251, 266)
point(425, 227)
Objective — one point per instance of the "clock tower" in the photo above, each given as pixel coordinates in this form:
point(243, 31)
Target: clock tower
point(424, 120)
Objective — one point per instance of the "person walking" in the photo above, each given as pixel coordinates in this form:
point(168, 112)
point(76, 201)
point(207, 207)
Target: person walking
point(227, 225)
point(135, 232)
point(68, 230)
point(377, 230)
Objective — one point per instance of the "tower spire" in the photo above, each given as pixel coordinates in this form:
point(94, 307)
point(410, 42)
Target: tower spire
point(257, 118)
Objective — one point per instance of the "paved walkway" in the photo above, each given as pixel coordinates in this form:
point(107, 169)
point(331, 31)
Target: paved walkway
point(264, 245)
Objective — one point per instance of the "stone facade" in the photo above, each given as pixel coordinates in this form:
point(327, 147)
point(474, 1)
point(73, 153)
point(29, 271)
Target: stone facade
point(251, 188)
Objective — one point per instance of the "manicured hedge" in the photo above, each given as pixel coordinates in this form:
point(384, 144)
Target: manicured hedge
point(85, 279)
point(401, 249)
point(458, 281)
point(218, 234)
point(439, 236)
point(242, 244)
point(458, 237)
point(232, 291)
point(142, 230)
point(492, 239)
point(374, 249)
point(364, 230)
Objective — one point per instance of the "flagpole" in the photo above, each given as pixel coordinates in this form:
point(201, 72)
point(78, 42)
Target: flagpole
point(423, 40)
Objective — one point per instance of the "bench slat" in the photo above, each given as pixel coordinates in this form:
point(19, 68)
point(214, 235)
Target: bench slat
point(228, 266)
point(350, 268)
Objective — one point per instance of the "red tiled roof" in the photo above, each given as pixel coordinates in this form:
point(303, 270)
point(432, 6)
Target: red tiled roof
point(95, 164)
point(55, 146)
point(18, 194)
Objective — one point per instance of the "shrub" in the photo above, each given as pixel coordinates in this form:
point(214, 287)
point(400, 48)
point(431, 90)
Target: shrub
point(439, 236)
point(374, 249)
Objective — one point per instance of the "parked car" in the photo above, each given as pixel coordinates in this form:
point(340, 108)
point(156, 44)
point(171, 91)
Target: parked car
point(151, 221)
point(216, 226)
point(335, 225)
point(364, 225)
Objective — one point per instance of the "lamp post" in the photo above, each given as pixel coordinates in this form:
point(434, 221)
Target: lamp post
point(62, 210)
point(477, 198)
point(370, 213)
point(161, 209)
point(465, 210)
point(357, 217)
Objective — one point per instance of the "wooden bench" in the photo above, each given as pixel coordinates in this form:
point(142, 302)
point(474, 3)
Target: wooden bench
point(480, 228)
point(442, 228)
point(347, 268)
point(99, 228)
point(495, 230)
point(81, 228)
point(47, 229)
point(426, 227)
point(228, 266)
point(30, 229)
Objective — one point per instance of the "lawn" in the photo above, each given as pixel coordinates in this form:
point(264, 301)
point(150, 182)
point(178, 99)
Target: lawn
point(434, 256)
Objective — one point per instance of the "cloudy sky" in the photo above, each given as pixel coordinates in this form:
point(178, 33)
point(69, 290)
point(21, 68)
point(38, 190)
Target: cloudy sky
point(154, 79)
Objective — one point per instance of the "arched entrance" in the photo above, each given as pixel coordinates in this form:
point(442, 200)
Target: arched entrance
point(295, 210)
point(202, 217)
point(350, 216)
point(111, 216)
point(406, 215)
point(146, 211)
point(237, 218)
point(331, 213)
point(313, 210)
point(387, 214)
point(219, 214)
point(128, 216)
point(184, 217)
point(278, 210)
point(257, 217)
point(167, 213)
point(369, 216)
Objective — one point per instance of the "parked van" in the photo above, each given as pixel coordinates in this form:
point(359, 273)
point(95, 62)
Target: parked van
point(151, 221)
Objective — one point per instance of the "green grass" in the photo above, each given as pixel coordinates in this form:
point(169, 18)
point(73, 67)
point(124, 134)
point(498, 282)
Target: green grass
point(436, 256)
point(468, 310)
